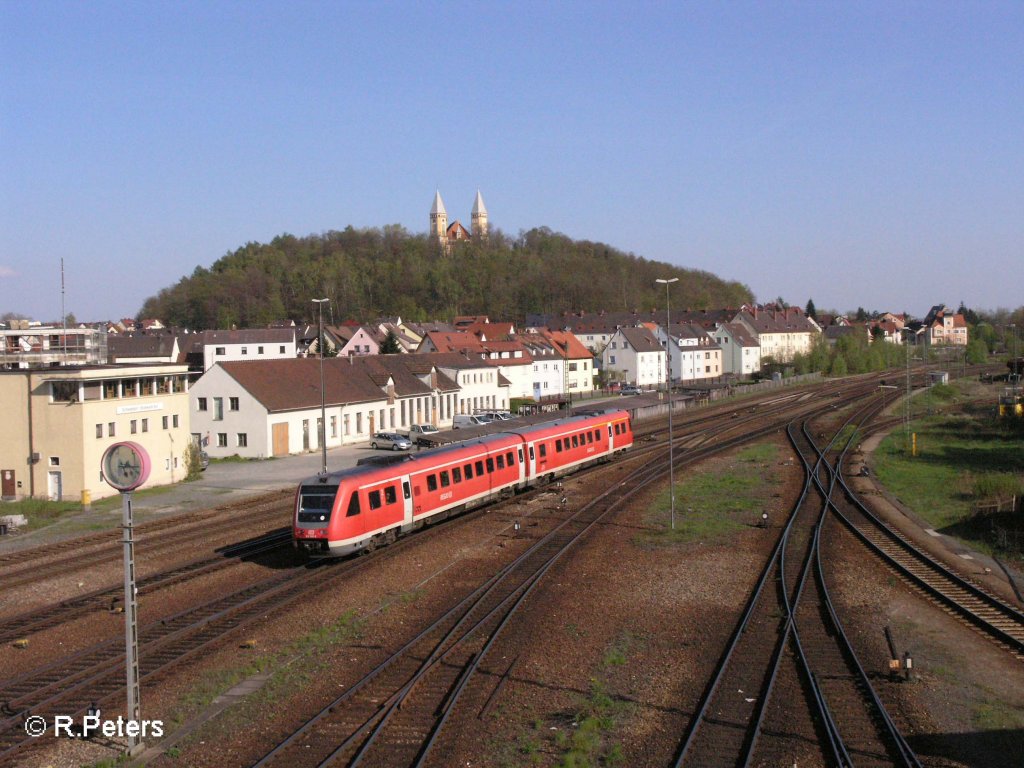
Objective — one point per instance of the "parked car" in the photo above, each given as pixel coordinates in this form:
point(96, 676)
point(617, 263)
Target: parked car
point(631, 389)
point(392, 440)
point(465, 420)
point(497, 415)
point(420, 434)
point(204, 460)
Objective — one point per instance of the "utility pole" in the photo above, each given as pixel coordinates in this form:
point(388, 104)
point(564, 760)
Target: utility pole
point(668, 386)
point(323, 402)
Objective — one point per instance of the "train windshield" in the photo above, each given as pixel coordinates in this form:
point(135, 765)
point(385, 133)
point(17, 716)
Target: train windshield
point(315, 502)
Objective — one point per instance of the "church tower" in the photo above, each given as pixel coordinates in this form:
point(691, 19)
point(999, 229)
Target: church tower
point(479, 217)
point(439, 220)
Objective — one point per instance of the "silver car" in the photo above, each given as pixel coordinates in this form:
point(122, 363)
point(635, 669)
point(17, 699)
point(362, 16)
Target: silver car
point(392, 440)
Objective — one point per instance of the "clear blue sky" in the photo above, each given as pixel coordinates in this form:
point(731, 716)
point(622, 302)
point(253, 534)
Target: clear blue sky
point(860, 154)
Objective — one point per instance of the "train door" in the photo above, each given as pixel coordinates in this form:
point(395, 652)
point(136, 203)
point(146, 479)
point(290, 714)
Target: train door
point(531, 468)
point(406, 504)
point(611, 438)
point(522, 468)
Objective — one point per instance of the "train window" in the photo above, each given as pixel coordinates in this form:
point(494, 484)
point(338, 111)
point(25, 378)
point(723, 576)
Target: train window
point(558, 446)
point(315, 503)
point(510, 458)
point(520, 455)
point(501, 461)
point(374, 497)
point(589, 436)
point(431, 482)
point(405, 489)
point(469, 471)
point(543, 450)
point(531, 453)
point(445, 482)
point(456, 475)
point(479, 468)
point(575, 441)
point(353, 505)
point(597, 435)
point(390, 495)
point(490, 465)
point(609, 430)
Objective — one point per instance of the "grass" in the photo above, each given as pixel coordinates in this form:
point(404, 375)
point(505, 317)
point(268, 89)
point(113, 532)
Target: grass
point(286, 678)
point(997, 716)
point(965, 458)
point(713, 505)
point(588, 743)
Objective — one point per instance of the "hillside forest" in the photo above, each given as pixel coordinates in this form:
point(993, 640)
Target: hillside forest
point(370, 273)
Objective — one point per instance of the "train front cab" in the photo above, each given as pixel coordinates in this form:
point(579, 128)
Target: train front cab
point(314, 508)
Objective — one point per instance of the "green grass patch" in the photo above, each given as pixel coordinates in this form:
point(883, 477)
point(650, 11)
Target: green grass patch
point(587, 741)
point(712, 505)
point(966, 459)
point(293, 666)
point(997, 716)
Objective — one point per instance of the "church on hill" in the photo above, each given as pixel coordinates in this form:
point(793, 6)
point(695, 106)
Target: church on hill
point(446, 233)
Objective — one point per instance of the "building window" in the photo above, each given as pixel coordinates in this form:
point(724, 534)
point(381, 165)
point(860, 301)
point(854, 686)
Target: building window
point(233, 403)
point(55, 461)
point(134, 425)
point(220, 351)
point(222, 439)
point(281, 349)
point(334, 426)
point(201, 404)
point(243, 440)
point(99, 430)
point(245, 350)
point(164, 422)
point(145, 425)
point(111, 429)
point(218, 409)
point(259, 350)
point(174, 421)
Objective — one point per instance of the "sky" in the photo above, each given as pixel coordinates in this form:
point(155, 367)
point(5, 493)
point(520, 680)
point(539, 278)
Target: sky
point(860, 154)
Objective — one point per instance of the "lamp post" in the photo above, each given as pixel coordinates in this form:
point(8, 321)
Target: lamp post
point(323, 405)
point(668, 384)
point(1013, 358)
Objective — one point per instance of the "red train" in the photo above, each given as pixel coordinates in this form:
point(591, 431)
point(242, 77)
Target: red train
point(372, 504)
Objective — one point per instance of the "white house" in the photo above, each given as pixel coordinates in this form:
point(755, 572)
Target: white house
point(741, 354)
point(636, 356)
point(247, 344)
point(694, 355)
point(273, 407)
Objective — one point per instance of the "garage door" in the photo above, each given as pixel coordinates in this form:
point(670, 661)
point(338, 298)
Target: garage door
point(280, 433)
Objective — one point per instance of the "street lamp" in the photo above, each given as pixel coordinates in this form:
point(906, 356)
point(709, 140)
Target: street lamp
point(668, 367)
point(323, 405)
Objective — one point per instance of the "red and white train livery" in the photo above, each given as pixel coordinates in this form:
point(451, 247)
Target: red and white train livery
point(371, 504)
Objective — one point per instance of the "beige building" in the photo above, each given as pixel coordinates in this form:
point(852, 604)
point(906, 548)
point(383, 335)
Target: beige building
point(59, 421)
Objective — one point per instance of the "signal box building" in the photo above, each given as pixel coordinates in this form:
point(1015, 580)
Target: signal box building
point(58, 422)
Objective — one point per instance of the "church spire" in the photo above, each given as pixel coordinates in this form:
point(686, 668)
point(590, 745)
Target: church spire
point(479, 216)
point(439, 220)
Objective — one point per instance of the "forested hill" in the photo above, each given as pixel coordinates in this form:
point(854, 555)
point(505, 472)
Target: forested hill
point(370, 273)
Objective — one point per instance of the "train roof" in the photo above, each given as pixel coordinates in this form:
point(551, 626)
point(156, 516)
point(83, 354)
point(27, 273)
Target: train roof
point(372, 465)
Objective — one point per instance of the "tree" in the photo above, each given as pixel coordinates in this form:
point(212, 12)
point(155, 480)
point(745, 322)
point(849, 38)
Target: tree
point(811, 311)
point(390, 345)
point(977, 351)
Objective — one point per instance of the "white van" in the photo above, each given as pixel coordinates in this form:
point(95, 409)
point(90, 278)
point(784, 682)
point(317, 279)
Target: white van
point(465, 420)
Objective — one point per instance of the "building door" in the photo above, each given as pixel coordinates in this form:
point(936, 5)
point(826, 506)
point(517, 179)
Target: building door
point(280, 439)
point(8, 485)
point(305, 434)
point(55, 484)
point(372, 422)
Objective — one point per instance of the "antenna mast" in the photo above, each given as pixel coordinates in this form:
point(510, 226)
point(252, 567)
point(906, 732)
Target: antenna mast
point(63, 317)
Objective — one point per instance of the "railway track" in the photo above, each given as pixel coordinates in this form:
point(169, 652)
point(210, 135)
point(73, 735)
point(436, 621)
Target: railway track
point(952, 592)
point(110, 598)
point(180, 637)
point(158, 536)
point(729, 726)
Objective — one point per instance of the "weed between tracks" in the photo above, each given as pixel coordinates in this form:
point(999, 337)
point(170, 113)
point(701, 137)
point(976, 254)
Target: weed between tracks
point(713, 504)
point(292, 666)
